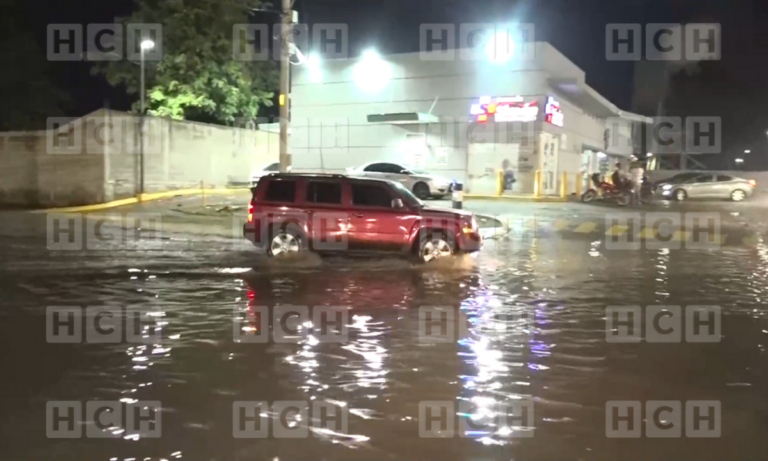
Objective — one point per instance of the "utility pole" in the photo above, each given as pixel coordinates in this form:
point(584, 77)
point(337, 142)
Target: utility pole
point(286, 39)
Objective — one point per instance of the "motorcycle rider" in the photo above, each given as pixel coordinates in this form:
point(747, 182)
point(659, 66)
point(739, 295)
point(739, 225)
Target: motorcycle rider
point(616, 177)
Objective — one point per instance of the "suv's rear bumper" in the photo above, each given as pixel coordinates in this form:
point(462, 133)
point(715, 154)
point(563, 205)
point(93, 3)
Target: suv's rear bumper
point(470, 243)
point(251, 232)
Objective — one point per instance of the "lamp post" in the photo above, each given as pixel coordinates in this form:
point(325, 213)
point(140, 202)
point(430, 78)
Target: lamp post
point(145, 45)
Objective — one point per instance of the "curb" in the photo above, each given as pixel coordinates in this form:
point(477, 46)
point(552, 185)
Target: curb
point(141, 198)
point(516, 199)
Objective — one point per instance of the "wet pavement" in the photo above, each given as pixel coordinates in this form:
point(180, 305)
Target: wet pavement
point(531, 313)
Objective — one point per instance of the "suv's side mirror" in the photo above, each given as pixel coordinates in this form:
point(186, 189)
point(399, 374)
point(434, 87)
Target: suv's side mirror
point(405, 172)
point(397, 203)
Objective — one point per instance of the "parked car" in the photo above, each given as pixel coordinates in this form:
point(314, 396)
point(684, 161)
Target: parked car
point(267, 169)
point(700, 185)
point(421, 183)
point(293, 213)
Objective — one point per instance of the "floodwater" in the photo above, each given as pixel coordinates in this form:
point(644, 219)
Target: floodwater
point(560, 362)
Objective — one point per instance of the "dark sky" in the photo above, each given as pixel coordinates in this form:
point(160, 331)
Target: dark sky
point(575, 27)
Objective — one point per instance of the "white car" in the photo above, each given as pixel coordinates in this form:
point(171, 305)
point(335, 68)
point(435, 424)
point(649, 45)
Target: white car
point(267, 169)
point(423, 184)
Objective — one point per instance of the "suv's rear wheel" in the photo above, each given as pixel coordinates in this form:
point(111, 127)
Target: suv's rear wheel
point(284, 243)
point(421, 190)
point(435, 247)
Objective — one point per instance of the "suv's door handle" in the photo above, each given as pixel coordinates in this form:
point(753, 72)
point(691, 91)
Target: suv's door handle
point(309, 211)
point(358, 215)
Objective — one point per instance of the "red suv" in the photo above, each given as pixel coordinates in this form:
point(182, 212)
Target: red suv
point(291, 213)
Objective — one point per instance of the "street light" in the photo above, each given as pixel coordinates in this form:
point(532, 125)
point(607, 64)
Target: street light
point(500, 47)
point(145, 45)
point(649, 154)
point(747, 151)
point(313, 66)
point(739, 160)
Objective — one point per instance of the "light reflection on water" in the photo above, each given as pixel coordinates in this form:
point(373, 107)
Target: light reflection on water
point(535, 332)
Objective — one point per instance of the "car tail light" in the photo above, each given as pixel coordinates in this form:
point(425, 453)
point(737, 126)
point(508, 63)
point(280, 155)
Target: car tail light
point(250, 212)
point(753, 183)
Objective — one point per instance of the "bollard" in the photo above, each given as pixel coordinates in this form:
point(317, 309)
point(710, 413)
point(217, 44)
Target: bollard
point(564, 185)
point(537, 184)
point(500, 183)
point(458, 195)
point(578, 185)
point(202, 190)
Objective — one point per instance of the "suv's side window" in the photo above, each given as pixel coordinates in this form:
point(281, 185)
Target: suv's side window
point(371, 195)
point(324, 192)
point(281, 191)
point(724, 178)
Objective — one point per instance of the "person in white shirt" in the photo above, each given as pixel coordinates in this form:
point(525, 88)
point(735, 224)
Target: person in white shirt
point(636, 173)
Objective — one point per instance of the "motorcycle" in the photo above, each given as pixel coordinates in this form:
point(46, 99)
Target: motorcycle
point(619, 194)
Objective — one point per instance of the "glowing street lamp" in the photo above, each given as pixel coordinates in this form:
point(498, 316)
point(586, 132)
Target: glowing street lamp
point(372, 73)
point(747, 151)
point(739, 160)
point(145, 45)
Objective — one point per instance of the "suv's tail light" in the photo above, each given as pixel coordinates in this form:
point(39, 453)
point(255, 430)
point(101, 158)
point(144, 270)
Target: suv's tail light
point(753, 183)
point(471, 226)
point(250, 212)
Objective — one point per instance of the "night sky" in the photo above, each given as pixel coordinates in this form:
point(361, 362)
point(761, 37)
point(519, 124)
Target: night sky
point(729, 88)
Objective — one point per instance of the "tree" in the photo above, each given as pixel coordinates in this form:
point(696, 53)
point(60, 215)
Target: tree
point(27, 91)
point(197, 77)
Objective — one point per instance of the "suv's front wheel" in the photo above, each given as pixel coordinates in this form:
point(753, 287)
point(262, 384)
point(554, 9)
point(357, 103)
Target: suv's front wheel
point(435, 247)
point(284, 243)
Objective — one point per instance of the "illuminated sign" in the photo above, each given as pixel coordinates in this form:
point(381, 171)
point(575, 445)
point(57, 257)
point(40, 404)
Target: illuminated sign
point(505, 109)
point(553, 113)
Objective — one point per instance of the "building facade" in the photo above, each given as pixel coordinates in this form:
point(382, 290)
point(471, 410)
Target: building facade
point(464, 119)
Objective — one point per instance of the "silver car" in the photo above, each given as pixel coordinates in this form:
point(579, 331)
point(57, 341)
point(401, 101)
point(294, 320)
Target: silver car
point(423, 184)
point(706, 186)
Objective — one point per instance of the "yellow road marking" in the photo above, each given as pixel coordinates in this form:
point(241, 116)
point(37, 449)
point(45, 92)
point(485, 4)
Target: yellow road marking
point(752, 240)
point(586, 228)
point(561, 224)
point(616, 230)
point(680, 236)
point(648, 233)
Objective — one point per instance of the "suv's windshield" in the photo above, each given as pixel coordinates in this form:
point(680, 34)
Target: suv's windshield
point(408, 197)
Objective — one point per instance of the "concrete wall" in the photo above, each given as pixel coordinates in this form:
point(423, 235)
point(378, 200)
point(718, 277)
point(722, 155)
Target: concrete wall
point(97, 158)
point(37, 168)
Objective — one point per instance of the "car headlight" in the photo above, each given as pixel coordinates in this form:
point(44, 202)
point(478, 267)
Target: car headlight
point(666, 186)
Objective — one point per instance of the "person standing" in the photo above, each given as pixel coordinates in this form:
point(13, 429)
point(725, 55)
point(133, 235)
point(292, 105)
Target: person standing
point(616, 178)
point(637, 172)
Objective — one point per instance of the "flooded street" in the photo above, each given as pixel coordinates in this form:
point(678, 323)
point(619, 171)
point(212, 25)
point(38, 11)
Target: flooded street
point(204, 289)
